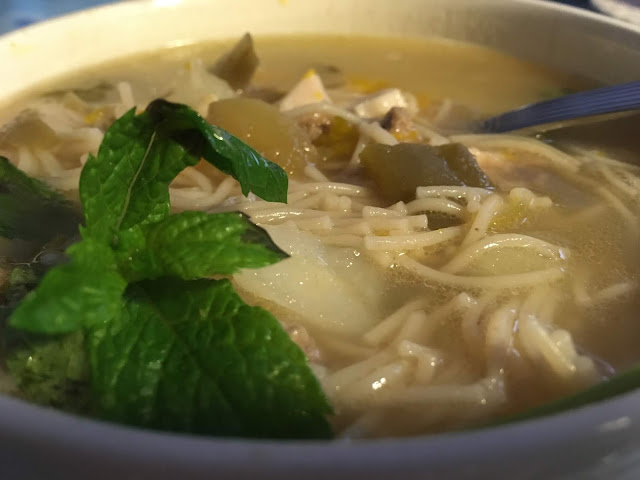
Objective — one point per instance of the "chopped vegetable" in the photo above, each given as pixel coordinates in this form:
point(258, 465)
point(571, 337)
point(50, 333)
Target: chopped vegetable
point(53, 371)
point(337, 140)
point(273, 134)
point(30, 210)
point(464, 165)
point(330, 75)
point(400, 169)
point(238, 65)
point(165, 353)
point(22, 279)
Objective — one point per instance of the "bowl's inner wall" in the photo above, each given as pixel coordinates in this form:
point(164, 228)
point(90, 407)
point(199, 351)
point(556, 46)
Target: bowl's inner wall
point(563, 38)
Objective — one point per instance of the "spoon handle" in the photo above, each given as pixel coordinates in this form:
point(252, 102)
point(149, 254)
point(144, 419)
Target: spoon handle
point(615, 98)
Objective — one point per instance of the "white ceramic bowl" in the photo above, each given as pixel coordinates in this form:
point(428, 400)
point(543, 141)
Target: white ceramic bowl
point(598, 441)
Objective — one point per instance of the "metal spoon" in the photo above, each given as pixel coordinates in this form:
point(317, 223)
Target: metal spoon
point(612, 99)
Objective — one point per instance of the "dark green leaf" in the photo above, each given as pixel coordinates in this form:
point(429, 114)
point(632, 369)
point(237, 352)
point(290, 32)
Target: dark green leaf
point(224, 151)
point(52, 371)
point(193, 245)
point(84, 292)
point(30, 210)
point(128, 183)
point(191, 356)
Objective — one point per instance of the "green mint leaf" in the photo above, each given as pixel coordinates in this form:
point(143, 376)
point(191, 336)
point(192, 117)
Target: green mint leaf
point(52, 371)
point(224, 151)
point(191, 356)
point(30, 210)
point(193, 245)
point(84, 292)
point(128, 183)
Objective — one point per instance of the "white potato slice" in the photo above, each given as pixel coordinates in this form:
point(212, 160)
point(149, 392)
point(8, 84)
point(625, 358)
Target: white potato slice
point(331, 288)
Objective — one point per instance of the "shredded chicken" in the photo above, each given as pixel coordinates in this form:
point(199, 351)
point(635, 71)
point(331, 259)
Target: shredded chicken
point(315, 124)
point(398, 121)
point(378, 104)
point(301, 337)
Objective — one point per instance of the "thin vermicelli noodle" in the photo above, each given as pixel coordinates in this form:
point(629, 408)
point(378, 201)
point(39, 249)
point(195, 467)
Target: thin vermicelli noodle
point(417, 313)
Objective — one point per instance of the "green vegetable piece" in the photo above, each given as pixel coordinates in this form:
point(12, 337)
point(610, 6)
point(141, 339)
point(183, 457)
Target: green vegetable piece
point(224, 151)
point(238, 65)
point(22, 275)
point(53, 372)
point(193, 245)
point(191, 356)
point(22, 279)
point(331, 76)
point(30, 210)
point(398, 170)
point(82, 293)
point(128, 183)
point(464, 165)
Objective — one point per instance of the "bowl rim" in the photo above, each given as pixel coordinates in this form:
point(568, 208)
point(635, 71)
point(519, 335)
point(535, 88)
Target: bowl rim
point(24, 421)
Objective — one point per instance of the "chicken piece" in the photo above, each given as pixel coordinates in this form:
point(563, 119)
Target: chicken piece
point(300, 336)
point(511, 169)
point(399, 123)
point(315, 124)
point(378, 104)
point(308, 90)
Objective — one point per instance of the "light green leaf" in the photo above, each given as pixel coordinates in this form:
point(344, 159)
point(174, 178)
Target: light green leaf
point(193, 245)
point(85, 292)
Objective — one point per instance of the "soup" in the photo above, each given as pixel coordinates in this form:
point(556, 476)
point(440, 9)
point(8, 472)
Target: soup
point(436, 279)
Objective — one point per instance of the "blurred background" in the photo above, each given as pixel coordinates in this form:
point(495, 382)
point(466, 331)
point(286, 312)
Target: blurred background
point(19, 13)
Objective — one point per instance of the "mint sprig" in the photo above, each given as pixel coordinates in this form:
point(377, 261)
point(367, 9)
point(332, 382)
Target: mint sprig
point(169, 347)
point(191, 356)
